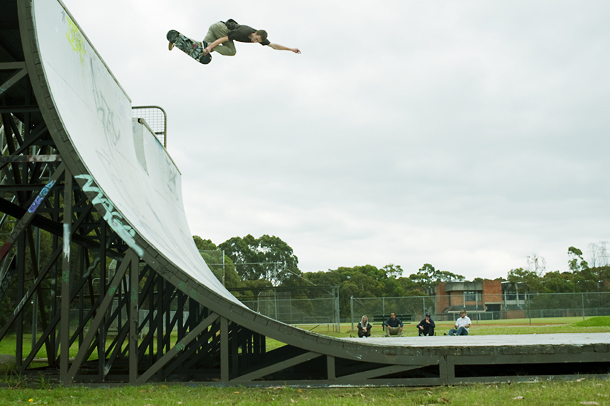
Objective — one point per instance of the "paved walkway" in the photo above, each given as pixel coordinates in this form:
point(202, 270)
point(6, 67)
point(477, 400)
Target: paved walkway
point(490, 340)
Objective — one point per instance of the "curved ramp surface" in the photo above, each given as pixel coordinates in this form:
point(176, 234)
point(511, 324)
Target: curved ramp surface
point(129, 176)
point(135, 178)
point(133, 183)
point(132, 180)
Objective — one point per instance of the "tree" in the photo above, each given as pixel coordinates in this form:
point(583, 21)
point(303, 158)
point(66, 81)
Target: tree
point(393, 270)
point(598, 254)
point(267, 257)
point(365, 281)
point(531, 279)
point(573, 263)
point(428, 276)
point(536, 264)
point(212, 256)
point(558, 282)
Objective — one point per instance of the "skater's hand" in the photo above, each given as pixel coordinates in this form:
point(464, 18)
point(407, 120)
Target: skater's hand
point(295, 50)
point(207, 50)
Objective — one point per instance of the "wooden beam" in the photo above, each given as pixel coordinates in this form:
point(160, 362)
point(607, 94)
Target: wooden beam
point(377, 372)
point(180, 345)
point(120, 273)
point(299, 359)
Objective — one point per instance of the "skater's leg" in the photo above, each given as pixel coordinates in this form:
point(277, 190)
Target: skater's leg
point(219, 30)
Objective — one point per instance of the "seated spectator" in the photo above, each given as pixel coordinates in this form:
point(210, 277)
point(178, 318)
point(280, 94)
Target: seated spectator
point(426, 326)
point(393, 326)
point(461, 325)
point(364, 327)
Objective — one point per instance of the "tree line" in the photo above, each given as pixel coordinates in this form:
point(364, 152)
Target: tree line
point(579, 277)
point(268, 261)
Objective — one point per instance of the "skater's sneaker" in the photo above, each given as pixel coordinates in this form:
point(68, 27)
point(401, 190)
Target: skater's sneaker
point(170, 46)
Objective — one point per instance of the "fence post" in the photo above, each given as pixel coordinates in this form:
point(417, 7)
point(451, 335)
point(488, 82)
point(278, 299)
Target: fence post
point(351, 307)
point(223, 268)
point(582, 296)
point(383, 307)
point(337, 313)
point(529, 306)
point(476, 304)
point(423, 307)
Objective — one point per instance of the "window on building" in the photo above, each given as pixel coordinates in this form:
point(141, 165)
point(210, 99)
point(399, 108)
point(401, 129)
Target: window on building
point(471, 295)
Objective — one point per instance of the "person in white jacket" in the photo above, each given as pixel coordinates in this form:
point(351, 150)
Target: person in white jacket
point(461, 325)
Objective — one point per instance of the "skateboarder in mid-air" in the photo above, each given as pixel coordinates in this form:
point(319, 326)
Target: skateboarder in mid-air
point(220, 38)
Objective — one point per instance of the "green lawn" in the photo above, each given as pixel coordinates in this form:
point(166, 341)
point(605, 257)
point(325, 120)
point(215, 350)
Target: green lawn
point(491, 327)
point(538, 394)
point(601, 321)
point(584, 391)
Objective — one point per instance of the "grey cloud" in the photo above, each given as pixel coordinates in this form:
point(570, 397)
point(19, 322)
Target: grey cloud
point(467, 135)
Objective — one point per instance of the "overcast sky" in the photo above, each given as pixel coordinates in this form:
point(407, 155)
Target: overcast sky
point(466, 134)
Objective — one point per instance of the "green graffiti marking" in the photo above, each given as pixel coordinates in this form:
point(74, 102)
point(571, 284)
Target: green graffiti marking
point(76, 39)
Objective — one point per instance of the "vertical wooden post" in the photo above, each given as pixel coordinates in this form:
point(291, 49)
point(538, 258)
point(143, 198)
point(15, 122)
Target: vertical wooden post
point(224, 350)
point(134, 319)
point(65, 282)
point(330, 367)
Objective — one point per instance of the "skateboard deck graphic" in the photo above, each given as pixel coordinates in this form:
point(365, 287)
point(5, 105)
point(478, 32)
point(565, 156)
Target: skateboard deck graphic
point(189, 46)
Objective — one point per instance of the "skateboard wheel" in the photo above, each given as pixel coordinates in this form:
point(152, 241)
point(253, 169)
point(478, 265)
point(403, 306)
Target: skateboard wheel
point(172, 35)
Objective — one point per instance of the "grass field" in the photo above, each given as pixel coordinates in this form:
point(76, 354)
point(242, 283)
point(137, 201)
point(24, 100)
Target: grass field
point(583, 391)
point(487, 327)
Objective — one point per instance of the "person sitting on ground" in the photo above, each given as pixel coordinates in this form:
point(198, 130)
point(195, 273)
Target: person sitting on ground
point(364, 327)
point(393, 326)
point(461, 325)
point(426, 326)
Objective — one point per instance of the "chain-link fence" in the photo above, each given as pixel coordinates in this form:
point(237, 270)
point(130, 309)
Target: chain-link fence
point(309, 307)
point(520, 305)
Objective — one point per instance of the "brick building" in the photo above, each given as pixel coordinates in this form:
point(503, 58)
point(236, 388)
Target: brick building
point(479, 297)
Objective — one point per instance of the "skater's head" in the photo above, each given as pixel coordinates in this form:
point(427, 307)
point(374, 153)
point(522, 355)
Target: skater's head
point(427, 316)
point(258, 36)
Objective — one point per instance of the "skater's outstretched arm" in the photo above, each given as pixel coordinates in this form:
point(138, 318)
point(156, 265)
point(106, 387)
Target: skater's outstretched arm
point(283, 48)
point(220, 40)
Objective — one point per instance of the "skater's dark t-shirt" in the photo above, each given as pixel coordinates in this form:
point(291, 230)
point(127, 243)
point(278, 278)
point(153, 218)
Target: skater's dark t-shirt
point(242, 34)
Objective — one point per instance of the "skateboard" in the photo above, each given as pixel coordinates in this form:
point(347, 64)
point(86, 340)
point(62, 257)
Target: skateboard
point(189, 46)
